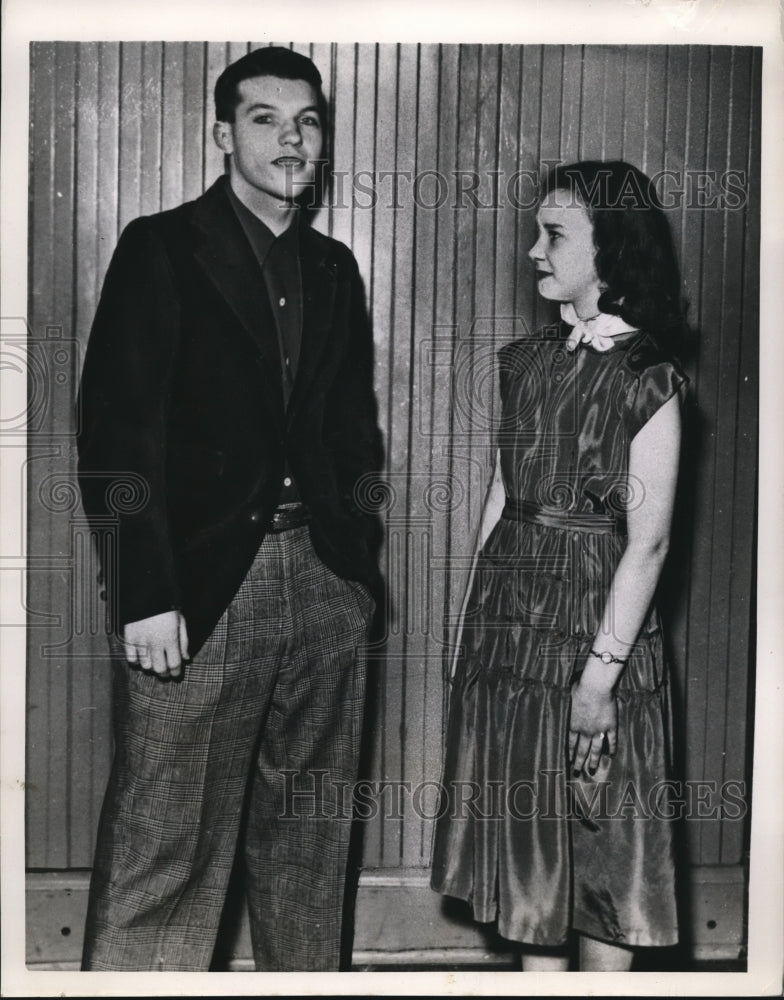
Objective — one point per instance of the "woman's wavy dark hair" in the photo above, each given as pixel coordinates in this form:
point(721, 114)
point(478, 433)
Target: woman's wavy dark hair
point(635, 256)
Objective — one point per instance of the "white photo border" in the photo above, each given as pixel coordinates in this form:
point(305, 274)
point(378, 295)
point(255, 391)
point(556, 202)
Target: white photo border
point(673, 22)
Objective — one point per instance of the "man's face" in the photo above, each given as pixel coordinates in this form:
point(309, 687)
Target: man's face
point(274, 140)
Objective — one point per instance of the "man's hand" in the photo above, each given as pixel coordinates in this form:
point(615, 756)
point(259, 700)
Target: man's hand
point(158, 644)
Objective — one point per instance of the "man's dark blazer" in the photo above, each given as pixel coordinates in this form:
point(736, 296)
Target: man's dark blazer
point(181, 396)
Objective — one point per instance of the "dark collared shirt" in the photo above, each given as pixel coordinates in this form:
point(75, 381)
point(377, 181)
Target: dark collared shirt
point(278, 258)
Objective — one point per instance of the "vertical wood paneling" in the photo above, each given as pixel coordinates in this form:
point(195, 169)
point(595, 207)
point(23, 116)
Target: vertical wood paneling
point(636, 121)
point(415, 513)
point(67, 693)
point(216, 60)
point(444, 331)
point(653, 147)
point(744, 646)
point(406, 537)
point(343, 157)
point(486, 250)
point(719, 298)
point(709, 558)
point(739, 455)
point(120, 130)
point(616, 83)
point(549, 125)
point(509, 162)
point(172, 125)
point(87, 232)
point(39, 726)
point(722, 129)
point(675, 70)
point(388, 758)
point(364, 162)
point(85, 718)
point(59, 674)
point(694, 244)
point(442, 349)
point(151, 127)
point(467, 293)
point(571, 124)
point(594, 105)
point(531, 156)
point(194, 114)
point(426, 439)
point(552, 86)
point(323, 54)
point(132, 118)
point(90, 717)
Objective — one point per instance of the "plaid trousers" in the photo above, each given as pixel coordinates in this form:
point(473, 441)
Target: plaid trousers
point(268, 713)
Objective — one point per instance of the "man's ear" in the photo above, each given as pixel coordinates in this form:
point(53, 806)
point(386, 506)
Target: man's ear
point(222, 134)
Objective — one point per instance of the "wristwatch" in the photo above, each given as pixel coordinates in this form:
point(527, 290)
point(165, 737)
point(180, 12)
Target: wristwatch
point(607, 658)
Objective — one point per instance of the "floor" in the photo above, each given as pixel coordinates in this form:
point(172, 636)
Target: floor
point(739, 966)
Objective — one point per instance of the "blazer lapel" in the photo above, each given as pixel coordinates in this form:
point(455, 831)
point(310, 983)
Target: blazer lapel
point(319, 278)
point(227, 259)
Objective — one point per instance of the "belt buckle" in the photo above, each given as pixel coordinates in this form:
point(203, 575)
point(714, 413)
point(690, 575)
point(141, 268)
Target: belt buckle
point(288, 516)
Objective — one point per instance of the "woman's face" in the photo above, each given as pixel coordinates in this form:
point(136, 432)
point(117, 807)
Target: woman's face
point(564, 254)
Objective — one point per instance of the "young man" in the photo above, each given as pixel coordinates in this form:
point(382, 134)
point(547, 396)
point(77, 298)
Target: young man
point(229, 381)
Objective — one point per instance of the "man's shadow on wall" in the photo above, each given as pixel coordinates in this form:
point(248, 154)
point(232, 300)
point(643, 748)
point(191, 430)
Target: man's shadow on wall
point(672, 599)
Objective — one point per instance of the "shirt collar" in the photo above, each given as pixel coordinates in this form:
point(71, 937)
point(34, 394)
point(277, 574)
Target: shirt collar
point(259, 234)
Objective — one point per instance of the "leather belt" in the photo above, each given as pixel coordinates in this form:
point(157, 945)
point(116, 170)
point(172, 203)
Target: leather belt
point(288, 516)
point(601, 524)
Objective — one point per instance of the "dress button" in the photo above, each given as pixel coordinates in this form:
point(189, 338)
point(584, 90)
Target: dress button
point(282, 300)
point(287, 481)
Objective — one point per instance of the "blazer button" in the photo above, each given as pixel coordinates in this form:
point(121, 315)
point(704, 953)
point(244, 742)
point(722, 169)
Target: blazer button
point(254, 516)
point(287, 481)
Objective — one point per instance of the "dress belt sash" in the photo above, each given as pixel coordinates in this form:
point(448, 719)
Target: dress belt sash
point(603, 524)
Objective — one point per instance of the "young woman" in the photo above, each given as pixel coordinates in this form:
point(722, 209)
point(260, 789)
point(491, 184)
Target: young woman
point(554, 818)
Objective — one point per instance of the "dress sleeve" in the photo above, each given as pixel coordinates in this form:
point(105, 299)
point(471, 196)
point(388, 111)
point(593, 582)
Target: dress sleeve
point(655, 381)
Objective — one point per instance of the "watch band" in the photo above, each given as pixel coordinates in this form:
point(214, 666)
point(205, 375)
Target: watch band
point(607, 658)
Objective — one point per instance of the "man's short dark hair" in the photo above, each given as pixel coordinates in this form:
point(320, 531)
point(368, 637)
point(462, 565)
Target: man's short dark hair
point(273, 60)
